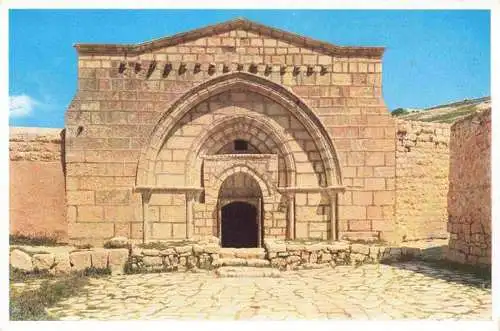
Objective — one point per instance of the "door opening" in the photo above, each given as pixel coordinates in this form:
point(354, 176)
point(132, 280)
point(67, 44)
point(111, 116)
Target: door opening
point(239, 225)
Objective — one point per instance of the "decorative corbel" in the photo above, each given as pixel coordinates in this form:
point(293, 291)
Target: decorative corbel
point(310, 70)
point(211, 69)
point(182, 69)
point(253, 68)
point(296, 70)
point(122, 67)
point(137, 67)
point(167, 69)
point(151, 69)
point(268, 70)
point(282, 70)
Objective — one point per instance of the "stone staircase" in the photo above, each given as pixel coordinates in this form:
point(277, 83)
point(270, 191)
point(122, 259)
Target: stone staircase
point(245, 262)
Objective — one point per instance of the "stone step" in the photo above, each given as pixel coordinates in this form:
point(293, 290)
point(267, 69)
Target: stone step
point(235, 262)
point(247, 272)
point(245, 253)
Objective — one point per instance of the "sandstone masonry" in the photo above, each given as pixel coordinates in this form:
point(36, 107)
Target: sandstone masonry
point(37, 189)
point(422, 163)
point(469, 197)
point(146, 116)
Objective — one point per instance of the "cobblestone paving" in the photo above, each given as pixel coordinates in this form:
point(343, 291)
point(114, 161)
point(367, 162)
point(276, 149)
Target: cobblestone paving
point(401, 291)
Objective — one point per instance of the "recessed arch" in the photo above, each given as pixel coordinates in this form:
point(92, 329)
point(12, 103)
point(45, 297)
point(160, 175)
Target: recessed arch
point(265, 187)
point(203, 143)
point(251, 82)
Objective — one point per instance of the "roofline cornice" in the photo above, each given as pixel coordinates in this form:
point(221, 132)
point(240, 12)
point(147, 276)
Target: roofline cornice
point(240, 23)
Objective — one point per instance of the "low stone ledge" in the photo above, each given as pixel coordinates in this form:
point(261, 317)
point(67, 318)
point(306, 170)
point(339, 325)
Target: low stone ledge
point(208, 255)
point(293, 255)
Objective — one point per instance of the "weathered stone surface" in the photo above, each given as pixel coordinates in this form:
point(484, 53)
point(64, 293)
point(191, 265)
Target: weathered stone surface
point(274, 246)
point(118, 242)
point(152, 260)
point(469, 195)
point(361, 249)
point(244, 253)
point(422, 165)
point(295, 247)
point(43, 262)
point(184, 249)
point(247, 272)
point(233, 262)
point(99, 258)
point(80, 260)
point(20, 260)
point(211, 248)
point(150, 252)
point(61, 264)
point(227, 252)
point(168, 251)
point(258, 263)
point(117, 260)
point(338, 246)
point(198, 249)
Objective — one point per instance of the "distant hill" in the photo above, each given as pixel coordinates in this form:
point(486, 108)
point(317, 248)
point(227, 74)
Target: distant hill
point(447, 113)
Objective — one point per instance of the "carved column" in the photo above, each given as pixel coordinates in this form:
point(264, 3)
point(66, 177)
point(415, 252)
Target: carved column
point(291, 215)
point(191, 197)
point(146, 196)
point(333, 215)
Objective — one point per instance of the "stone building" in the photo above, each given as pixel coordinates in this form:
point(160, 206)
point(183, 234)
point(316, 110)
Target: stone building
point(236, 130)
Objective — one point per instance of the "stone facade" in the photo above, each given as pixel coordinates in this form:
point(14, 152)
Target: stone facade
point(148, 119)
point(422, 167)
point(37, 192)
point(469, 197)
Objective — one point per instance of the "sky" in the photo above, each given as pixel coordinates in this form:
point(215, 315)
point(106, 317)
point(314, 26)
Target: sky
point(431, 58)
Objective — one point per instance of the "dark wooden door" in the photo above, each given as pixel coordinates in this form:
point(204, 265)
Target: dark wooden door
point(239, 226)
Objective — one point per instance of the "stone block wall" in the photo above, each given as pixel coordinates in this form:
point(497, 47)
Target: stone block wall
point(121, 98)
point(37, 190)
point(469, 197)
point(422, 163)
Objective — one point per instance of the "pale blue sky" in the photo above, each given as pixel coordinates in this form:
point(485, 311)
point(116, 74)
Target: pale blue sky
point(432, 57)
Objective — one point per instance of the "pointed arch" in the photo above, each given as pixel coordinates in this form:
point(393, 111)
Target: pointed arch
point(276, 92)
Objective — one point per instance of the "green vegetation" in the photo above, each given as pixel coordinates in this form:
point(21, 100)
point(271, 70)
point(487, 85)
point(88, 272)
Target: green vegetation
point(399, 112)
point(451, 116)
point(84, 246)
point(377, 242)
point(29, 305)
point(36, 240)
point(164, 244)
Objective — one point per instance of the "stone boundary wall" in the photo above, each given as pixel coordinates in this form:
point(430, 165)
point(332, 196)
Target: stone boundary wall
point(65, 260)
point(422, 167)
point(37, 185)
point(469, 197)
point(282, 255)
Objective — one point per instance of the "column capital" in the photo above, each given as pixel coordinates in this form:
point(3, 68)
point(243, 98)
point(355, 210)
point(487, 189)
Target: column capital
point(192, 195)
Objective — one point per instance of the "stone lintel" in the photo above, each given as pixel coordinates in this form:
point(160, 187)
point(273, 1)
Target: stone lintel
point(295, 189)
point(165, 189)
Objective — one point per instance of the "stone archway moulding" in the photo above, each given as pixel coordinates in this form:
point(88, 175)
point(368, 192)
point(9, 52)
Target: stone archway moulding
point(224, 174)
point(273, 131)
point(254, 83)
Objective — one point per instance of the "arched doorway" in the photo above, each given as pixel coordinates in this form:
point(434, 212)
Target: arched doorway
point(239, 204)
point(239, 225)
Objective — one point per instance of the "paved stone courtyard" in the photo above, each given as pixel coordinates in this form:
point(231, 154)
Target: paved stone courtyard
point(399, 291)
